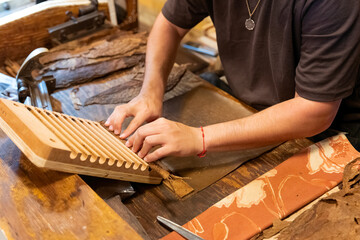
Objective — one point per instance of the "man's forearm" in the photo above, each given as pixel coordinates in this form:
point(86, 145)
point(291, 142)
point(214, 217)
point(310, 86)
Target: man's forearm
point(161, 50)
point(291, 119)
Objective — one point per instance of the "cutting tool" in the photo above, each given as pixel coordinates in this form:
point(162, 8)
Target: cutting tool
point(179, 229)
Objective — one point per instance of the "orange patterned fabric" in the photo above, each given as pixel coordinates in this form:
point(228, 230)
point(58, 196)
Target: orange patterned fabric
point(276, 194)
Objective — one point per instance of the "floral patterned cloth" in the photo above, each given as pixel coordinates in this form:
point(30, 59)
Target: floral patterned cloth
point(276, 194)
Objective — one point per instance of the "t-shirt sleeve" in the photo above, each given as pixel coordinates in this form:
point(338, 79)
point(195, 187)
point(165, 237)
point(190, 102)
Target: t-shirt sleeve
point(185, 13)
point(329, 50)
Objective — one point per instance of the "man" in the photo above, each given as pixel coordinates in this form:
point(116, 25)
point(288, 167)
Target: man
point(294, 60)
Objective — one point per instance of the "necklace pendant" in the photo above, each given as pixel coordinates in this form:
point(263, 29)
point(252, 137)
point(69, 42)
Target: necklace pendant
point(249, 24)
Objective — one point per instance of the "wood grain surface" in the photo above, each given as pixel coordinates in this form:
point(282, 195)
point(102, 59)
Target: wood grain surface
point(44, 204)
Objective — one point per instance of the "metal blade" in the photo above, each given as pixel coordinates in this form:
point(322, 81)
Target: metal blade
point(179, 229)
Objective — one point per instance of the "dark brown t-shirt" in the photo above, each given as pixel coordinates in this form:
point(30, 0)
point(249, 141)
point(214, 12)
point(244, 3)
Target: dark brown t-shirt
point(308, 46)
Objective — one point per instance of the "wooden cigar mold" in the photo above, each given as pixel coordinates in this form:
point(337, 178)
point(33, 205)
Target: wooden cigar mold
point(70, 144)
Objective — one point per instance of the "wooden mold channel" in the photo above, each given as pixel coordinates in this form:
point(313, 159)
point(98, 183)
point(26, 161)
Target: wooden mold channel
point(89, 139)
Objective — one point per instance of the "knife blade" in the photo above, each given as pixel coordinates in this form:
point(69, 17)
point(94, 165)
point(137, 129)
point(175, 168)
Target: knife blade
point(179, 229)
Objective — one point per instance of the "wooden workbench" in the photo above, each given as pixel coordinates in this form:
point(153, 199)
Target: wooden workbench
point(39, 204)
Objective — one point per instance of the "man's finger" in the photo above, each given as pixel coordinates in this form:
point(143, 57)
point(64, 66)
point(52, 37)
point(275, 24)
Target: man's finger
point(112, 120)
point(130, 141)
point(157, 154)
point(117, 123)
point(149, 143)
point(146, 130)
point(134, 124)
point(139, 136)
point(109, 120)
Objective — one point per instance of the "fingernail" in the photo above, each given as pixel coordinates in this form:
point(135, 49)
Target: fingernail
point(117, 132)
point(107, 123)
point(140, 155)
point(127, 143)
point(111, 128)
point(122, 135)
point(145, 159)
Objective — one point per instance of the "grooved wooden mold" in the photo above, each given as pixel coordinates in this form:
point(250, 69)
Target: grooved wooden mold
point(70, 144)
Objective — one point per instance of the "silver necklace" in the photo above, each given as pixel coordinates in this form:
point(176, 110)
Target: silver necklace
point(249, 23)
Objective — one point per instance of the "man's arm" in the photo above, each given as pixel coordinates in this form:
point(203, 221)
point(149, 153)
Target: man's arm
point(161, 49)
point(295, 118)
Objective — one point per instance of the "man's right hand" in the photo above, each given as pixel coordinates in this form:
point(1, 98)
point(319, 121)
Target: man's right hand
point(161, 49)
point(142, 108)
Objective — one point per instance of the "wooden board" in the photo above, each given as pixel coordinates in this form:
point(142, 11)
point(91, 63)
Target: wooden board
point(65, 143)
point(42, 204)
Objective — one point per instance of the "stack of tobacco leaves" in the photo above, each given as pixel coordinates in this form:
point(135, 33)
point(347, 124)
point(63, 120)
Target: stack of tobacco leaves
point(86, 59)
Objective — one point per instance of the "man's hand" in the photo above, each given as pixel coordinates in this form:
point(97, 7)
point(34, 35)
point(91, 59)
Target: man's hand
point(173, 139)
point(161, 49)
point(142, 108)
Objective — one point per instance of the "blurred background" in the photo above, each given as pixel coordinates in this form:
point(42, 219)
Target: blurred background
point(9, 6)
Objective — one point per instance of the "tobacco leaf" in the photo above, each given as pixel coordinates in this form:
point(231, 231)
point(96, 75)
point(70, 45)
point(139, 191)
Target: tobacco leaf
point(351, 177)
point(76, 62)
point(100, 57)
point(118, 44)
point(126, 91)
point(87, 40)
point(334, 217)
point(278, 225)
point(125, 46)
point(66, 78)
point(118, 94)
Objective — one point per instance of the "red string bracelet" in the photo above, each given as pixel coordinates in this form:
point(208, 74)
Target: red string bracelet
point(203, 153)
